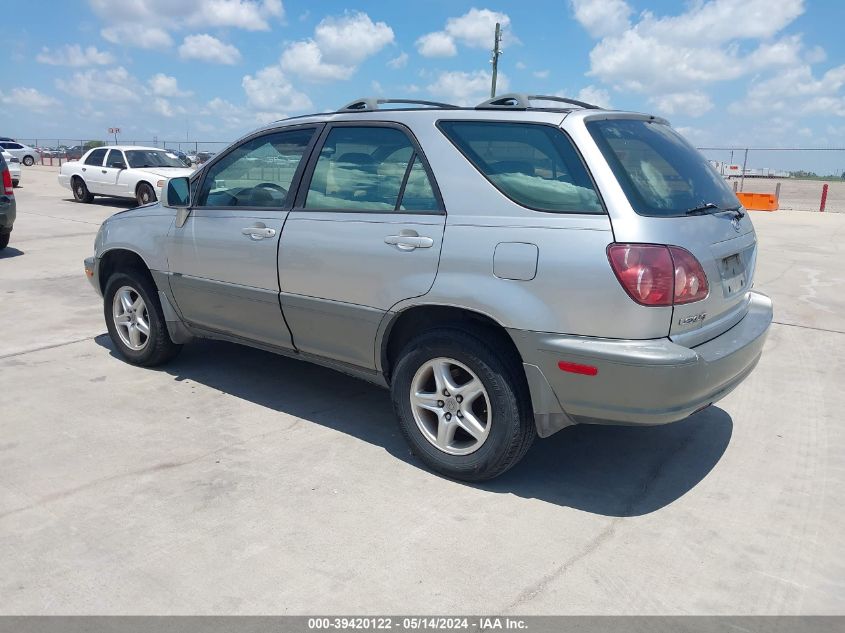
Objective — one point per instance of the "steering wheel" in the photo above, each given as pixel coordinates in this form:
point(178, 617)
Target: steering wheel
point(272, 185)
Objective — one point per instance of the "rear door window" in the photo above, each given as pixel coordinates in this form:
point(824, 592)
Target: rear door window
point(534, 165)
point(370, 168)
point(96, 157)
point(661, 174)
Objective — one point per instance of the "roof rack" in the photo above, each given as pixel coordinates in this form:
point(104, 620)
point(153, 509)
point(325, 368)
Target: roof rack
point(372, 103)
point(520, 101)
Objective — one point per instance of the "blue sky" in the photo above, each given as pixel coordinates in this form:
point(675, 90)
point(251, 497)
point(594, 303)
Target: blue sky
point(725, 72)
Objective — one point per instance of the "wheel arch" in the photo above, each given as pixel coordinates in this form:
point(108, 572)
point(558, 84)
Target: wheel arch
point(411, 321)
point(143, 182)
point(119, 259)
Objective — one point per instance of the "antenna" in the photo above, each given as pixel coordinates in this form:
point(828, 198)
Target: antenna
point(495, 61)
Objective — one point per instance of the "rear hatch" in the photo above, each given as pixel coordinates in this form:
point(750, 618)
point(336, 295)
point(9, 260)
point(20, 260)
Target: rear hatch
point(676, 198)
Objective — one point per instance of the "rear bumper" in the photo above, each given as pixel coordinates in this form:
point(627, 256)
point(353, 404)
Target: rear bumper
point(639, 382)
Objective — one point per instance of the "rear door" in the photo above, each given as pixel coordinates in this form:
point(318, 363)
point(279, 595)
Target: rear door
point(223, 259)
point(93, 172)
point(365, 233)
point(678, 199)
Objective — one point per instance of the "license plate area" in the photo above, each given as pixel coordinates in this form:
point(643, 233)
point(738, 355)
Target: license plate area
point(734, 272)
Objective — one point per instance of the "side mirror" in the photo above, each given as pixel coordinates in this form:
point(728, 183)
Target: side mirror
point(119, 165)
point(177, 195)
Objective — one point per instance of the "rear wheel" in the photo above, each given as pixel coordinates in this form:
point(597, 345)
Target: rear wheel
point(4, 240)
point(135, 320)
point(145, 194)
point(463, 408)
point(80, 190)
point(29, 161)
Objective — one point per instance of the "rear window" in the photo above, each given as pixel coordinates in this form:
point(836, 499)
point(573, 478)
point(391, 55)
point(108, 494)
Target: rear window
point(534, 165)
point(660, 172)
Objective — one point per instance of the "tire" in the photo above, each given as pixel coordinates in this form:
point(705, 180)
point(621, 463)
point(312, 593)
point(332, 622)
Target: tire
point(145, 194)
point(29, 161)
point(150, 349)
point(4, 240)
point(508, 429)
point(80, 190)
point(16, 183)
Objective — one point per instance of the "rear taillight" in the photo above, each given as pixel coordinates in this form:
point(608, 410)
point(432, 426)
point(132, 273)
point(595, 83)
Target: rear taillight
point(7, 183)
point(657, 275)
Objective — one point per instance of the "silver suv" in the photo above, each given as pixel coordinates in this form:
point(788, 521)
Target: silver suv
point(506, 270)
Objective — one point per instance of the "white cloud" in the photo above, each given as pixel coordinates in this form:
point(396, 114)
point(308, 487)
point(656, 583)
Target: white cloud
point(338, 47)
point(437, 44)
point(163, 107)
point(306, 60)
point(400, 61)
point(28, 99)
point(163, 85)
point(207, 48)
point(673, 58)
point(465, 88)
point(270, 90)
point(541, 74)
point(521, 66)
point(795, 91)
point(474, 29)
point(694, 103)
point(114, 84)
point(75, 56)
point(602, 17)
point(595, 96)
point(148, 23)
point(138, 35)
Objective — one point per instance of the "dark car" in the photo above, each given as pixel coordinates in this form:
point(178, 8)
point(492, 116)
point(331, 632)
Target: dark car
point(8, 209)
point(75, 152)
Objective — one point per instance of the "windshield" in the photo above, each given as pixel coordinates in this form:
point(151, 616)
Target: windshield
point(152, 158)
point(660, 172)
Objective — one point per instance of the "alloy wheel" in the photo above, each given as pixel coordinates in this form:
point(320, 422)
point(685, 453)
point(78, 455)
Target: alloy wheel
point(450, 406)
point(131, 318)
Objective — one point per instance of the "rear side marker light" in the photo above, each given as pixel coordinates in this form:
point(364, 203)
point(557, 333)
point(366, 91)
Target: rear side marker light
point(575, 368)
point(658, 275)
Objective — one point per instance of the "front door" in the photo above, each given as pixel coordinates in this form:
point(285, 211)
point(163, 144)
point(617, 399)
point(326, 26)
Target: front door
point(365, 234)
point(223, 259)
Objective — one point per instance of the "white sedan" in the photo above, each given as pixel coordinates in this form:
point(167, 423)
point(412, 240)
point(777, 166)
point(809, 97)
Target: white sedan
point(122, 172)
point(14, 168)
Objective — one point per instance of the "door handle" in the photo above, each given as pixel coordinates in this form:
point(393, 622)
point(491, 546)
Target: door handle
point(258, 232)
point(409, 242)
point(105, 172)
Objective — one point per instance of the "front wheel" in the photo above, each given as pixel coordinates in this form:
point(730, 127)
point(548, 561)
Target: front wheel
point(135, 320)
point(463, 407)
point(145, 194)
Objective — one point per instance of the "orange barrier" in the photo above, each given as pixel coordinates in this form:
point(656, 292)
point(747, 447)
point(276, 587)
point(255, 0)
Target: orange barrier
point(758, 201)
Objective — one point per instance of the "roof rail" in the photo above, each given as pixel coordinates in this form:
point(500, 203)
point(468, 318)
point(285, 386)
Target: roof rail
point(520, 101)
point(372, 103)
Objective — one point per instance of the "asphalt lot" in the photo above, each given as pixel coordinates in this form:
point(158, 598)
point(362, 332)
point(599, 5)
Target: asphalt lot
point(234, 481)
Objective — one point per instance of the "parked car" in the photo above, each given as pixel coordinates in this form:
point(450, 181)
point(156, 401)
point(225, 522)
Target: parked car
point(24, 153)
point(8, 210)
point(14, 166)
point(506, 270)
point(181, 156)
point(72, 153)
point(121, 172)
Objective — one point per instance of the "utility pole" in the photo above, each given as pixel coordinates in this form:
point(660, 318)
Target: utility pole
point(495, 61)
